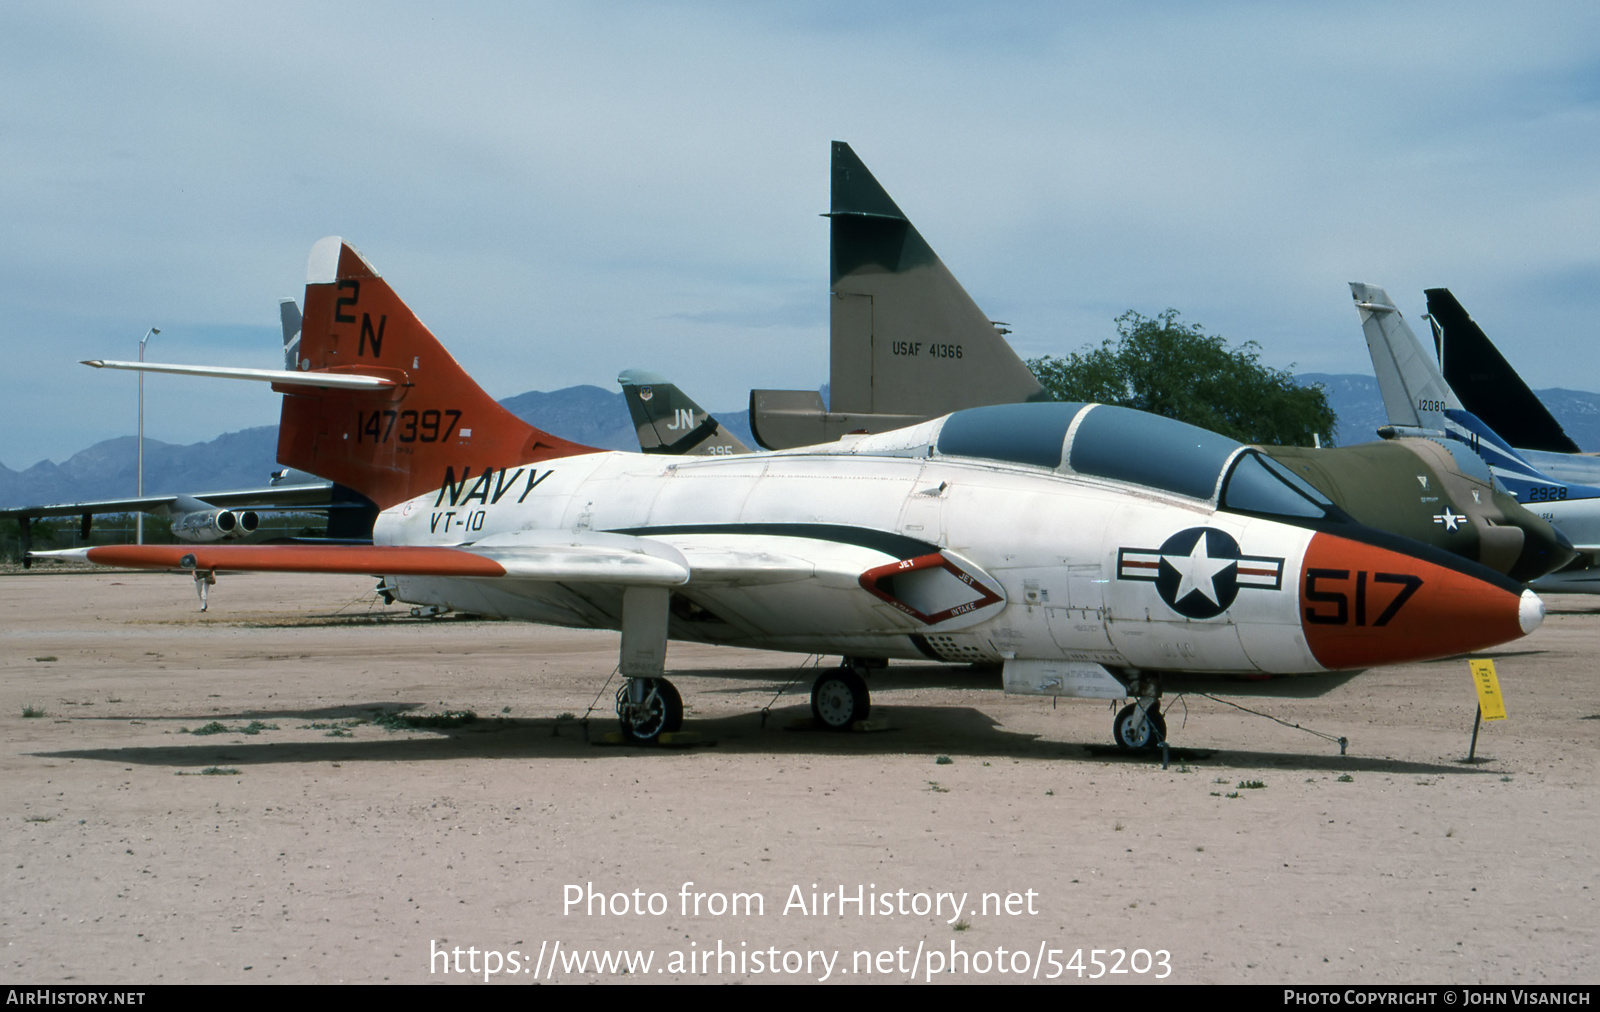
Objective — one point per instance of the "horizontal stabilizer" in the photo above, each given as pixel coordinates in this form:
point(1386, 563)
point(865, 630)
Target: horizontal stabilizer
point(282, 377)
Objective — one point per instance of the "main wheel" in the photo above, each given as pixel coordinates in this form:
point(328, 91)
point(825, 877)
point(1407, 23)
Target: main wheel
point(1132, 733)
point(660, 712)
point(839, 698)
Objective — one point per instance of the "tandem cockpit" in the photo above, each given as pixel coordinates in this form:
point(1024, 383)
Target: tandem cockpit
point(1103, 441)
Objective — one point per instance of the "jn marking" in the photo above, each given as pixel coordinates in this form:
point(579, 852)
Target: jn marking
point(1199, 571)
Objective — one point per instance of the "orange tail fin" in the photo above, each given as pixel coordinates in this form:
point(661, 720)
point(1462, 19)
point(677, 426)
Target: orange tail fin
point(399, 442)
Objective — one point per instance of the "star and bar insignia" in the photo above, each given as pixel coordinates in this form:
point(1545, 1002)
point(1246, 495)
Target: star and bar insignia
point(1199, 572)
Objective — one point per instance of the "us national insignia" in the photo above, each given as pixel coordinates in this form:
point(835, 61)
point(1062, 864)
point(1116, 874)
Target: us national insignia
point(1198, 572)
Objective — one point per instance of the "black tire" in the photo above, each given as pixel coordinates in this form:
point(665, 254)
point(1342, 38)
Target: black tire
point(1155, 728)
point(660, 713)
point(839, 698)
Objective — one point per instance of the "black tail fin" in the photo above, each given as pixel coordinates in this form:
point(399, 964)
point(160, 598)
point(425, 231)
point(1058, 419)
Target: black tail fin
point(1485, 382)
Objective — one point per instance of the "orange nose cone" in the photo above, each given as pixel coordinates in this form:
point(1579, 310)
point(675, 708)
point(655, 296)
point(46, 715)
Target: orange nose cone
point(1361, 605)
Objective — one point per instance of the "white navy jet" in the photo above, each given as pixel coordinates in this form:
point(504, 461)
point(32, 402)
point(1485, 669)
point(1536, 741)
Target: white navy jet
point(1090, 550)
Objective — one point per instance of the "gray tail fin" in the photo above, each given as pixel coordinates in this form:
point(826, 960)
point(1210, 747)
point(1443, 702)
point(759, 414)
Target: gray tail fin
point(669, 421)
point(1415, 394)
point(289, 313)
point(907, 341)
point(1486, 383)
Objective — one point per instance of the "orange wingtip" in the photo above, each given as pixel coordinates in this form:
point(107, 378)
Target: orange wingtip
point(361, 559)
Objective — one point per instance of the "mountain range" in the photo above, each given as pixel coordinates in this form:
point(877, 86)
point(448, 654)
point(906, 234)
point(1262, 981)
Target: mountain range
point(586, 414)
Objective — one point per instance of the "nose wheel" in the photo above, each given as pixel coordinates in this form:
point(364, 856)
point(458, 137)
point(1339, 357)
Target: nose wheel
point(1140, 725)
point(839, 698)
point(649, 708)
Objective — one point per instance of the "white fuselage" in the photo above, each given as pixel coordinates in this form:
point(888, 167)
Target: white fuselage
point(1051, 560)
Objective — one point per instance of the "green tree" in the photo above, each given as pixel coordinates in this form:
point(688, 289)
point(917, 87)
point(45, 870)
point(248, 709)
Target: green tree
point(1175, 369)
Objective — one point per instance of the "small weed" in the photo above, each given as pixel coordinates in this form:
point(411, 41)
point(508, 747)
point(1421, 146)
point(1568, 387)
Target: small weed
point(1220, 780)
point(337, 725)
point(943, 760)
point(1345, 778)
point(1050, 793)
point(1184, 768)
point(338, 732)
point(46, 659)
point(1449, 833)
point(934, 784)
point(1251, 785)
point(1199, 850)
point(1231, 794)
point(1503, 780)
point(962, 925)
point(33, 711)
point(113, 699)
point(38, 818)
point(432, 721)
point(1117, 827)
point(1216, 794)
point(219, 771)
point(218, 727)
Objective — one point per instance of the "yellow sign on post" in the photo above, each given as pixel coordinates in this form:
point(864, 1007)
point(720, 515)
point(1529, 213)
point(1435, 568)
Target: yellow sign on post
point(1490, 702)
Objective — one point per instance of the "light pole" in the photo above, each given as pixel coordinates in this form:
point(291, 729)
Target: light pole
point(139, 515)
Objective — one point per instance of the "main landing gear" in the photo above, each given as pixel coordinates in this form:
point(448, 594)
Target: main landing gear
point(1140, 725)
point(839, 697)
point(648, 708)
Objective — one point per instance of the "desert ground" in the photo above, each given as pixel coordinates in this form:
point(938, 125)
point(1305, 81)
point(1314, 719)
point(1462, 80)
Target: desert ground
point(311, 841)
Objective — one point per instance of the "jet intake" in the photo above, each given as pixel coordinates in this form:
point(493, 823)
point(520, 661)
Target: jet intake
point(214, 525)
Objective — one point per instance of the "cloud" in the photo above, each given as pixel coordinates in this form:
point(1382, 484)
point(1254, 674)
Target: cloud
point(647, 177)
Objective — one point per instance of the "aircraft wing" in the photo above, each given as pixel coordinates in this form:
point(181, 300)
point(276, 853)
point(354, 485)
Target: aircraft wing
point(277, 497)
point(542, 556)
point(570, 558)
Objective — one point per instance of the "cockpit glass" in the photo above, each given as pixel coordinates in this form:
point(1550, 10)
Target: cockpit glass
point(1261, 485)
point(1145, 449)
point(1016, 433)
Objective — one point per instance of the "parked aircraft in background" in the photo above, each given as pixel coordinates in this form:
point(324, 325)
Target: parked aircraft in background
point(1489, 388)
point(1421, 404)
point(214, 516)
point(1415, 487)
point(1092, 550)
point(668, 421)
point(907, 342)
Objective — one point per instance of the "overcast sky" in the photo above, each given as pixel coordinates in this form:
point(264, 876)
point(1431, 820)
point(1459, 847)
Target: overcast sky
point(562, 191)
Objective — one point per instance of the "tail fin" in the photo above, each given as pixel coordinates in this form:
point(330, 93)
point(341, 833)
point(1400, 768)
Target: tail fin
point(391, 444)
point(670, 422)
point(1420, 403)
point(1486, 383)
point(907, 341)
point(1415, 394)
